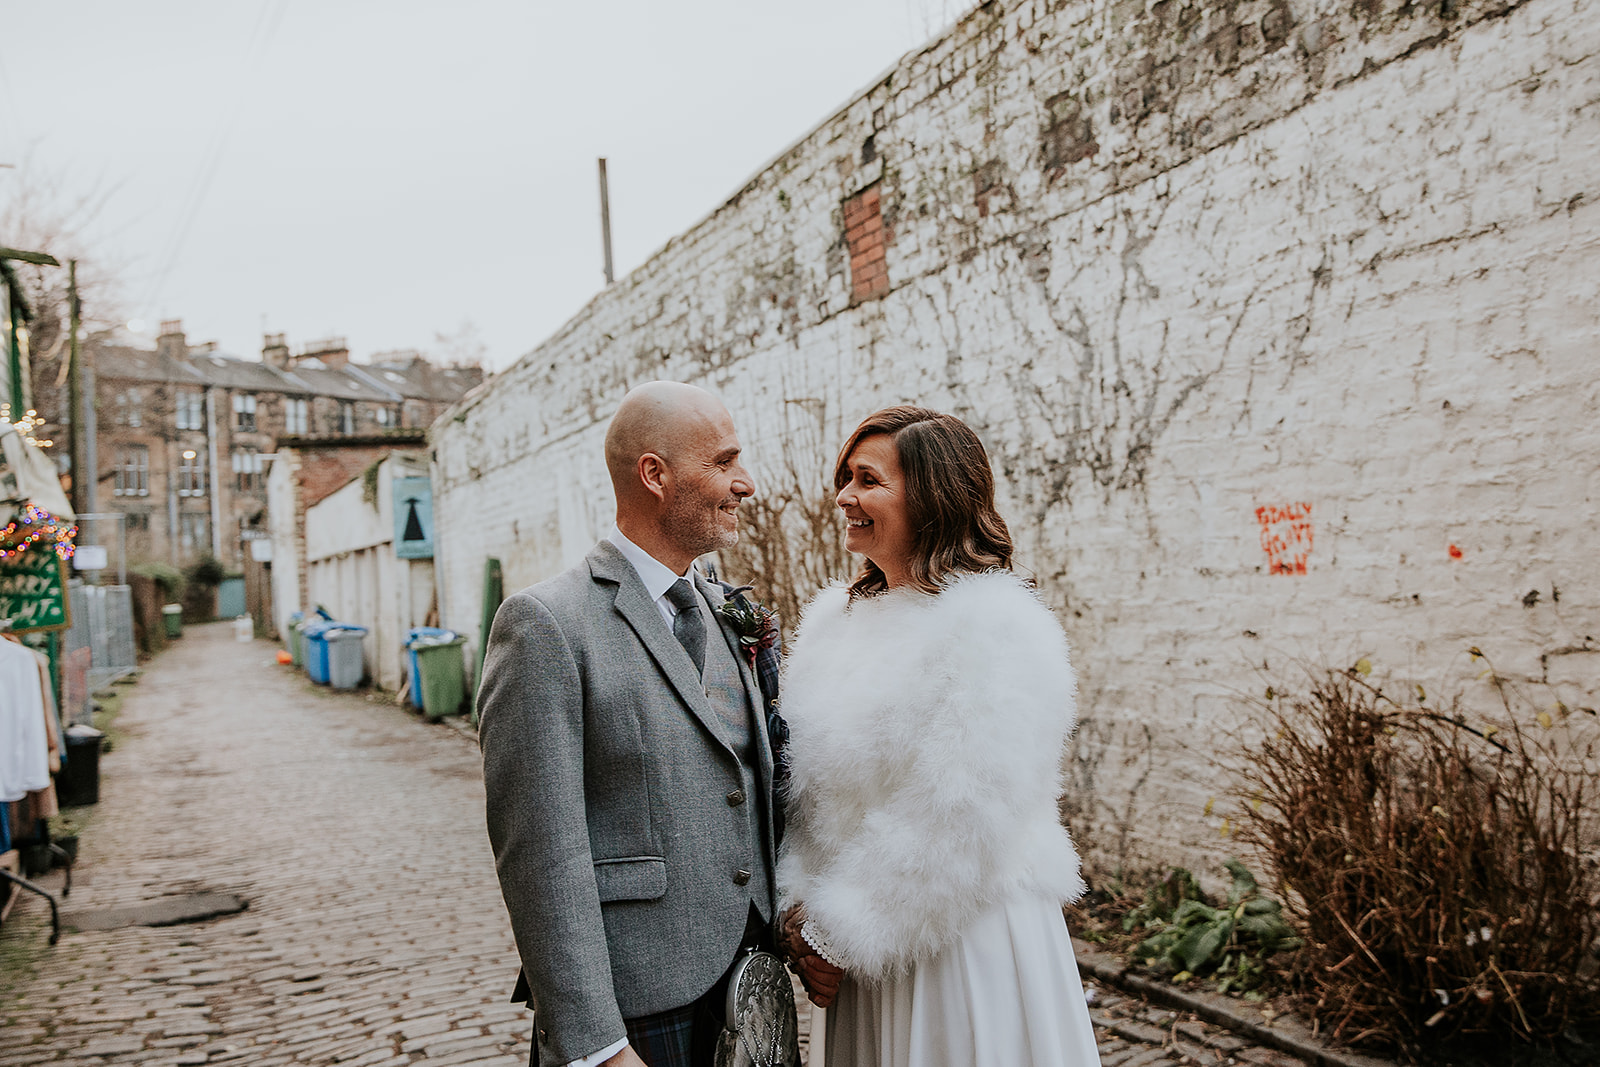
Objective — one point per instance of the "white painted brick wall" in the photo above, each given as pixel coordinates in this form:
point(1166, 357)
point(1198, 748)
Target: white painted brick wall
point(1359, 271)
point(352, 569)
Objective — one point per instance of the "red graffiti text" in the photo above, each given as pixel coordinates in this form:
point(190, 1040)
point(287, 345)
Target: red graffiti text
point(1286, 536)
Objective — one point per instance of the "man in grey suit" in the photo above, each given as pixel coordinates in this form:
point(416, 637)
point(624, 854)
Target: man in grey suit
point(626, 759)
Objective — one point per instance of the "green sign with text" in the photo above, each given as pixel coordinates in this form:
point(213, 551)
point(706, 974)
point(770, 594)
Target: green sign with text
point(33, 591)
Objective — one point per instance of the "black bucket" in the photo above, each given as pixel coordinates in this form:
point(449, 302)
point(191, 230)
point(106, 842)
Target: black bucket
point(79, 780)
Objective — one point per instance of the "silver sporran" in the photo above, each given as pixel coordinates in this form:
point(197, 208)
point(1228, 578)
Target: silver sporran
point(762, 1029)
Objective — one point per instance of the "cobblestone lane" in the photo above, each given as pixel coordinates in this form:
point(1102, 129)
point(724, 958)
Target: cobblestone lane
point(375, 933)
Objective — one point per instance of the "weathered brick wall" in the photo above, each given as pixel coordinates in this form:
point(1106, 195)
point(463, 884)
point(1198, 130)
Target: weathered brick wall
point(352, 570)
point(324, 471)
point(1279, 320)
point(306, 472)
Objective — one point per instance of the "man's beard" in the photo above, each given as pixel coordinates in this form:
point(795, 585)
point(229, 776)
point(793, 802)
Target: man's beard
point(696, 528)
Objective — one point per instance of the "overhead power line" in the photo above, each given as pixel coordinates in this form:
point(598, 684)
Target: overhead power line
point(266, 26)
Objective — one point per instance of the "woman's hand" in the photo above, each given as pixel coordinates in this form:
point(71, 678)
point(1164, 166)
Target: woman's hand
point(820, 978)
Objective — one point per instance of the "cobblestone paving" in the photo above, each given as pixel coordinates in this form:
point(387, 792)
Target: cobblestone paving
point(1131, 1033)
point(375, 934)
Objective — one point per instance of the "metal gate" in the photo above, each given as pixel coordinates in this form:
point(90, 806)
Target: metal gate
point(99, 647)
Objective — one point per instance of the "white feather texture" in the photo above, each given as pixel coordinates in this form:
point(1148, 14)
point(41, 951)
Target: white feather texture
point(926, 738)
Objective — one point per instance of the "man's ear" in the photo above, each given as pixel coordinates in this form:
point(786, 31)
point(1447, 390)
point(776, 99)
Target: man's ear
point(655, 475)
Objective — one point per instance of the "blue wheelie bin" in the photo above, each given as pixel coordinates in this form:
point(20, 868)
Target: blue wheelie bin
point(314, 635)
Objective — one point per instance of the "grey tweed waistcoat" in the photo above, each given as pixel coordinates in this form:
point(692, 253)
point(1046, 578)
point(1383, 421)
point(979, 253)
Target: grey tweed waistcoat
point(726, 691)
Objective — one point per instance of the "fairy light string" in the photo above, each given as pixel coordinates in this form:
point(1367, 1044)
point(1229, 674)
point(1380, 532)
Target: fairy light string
point(37, 525)
point(26, 425)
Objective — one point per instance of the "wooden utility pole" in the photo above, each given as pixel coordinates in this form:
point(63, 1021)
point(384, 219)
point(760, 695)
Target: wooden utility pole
point(75, 394)
point(605, 220)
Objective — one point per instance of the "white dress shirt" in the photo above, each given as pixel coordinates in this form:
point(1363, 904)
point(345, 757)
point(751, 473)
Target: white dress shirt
point(594, 1059)
point(657, 578)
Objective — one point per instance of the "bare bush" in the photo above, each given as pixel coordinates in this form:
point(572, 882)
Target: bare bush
point(792, 539)
point(40, 211)
point(1437, 864)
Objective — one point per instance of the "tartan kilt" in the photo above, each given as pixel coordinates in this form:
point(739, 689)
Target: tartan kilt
point(665, 1039)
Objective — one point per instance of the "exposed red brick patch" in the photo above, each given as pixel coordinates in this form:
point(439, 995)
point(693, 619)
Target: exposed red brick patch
point(865, 236)
point(324, 472)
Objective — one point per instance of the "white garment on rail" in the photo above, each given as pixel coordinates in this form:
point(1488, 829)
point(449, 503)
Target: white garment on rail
point(1005, 994)
point(24, 742)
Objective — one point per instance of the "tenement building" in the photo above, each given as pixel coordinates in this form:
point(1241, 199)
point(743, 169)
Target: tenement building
point(184, 432)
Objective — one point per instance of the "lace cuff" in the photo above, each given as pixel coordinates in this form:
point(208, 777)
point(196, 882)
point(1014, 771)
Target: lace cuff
point(813, 937)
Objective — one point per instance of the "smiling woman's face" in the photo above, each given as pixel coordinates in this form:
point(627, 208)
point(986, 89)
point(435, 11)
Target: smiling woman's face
point(874, 506)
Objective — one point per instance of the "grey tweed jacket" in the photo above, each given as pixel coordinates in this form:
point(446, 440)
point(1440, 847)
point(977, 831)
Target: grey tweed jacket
point(610, 783)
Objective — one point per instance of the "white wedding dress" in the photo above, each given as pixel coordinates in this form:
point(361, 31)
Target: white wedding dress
point(1006, 994)
point(926, 736)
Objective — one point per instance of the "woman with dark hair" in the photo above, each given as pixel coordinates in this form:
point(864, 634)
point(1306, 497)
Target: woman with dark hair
point(925, 864)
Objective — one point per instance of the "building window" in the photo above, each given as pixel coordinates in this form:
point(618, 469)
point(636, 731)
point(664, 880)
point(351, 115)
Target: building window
point(296, 415)
point(128, 408)
point(133, 471)
point(137, 520)
point(191, 410)
point(191, 475)
point(385, 416)
point(347, 417)
point(244, 411)
point(194, 531)
point(246, 469)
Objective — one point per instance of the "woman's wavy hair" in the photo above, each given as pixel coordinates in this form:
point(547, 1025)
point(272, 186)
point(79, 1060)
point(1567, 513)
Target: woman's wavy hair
point(949, 497)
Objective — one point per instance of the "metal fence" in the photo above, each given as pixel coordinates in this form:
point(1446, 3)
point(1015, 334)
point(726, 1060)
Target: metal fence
point(99, 648)
point(102, 546)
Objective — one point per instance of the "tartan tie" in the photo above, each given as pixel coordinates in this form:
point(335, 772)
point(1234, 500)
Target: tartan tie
point(689, 627)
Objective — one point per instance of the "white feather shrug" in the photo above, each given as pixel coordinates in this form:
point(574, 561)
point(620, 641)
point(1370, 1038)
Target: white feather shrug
point(926, 738)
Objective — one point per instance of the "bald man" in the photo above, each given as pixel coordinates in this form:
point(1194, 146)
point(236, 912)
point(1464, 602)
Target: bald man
point(627, 762)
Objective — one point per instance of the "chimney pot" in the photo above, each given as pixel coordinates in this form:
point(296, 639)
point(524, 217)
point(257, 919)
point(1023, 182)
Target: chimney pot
point(171, 343)
point(275, 350)
point(330, 352)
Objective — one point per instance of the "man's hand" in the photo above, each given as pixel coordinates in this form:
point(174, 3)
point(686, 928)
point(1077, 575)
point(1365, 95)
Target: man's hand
point(789, 937)
point(626, 1058)
point(820, 977)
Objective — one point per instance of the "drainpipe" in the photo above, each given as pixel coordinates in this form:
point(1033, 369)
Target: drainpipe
point(174, 534)
point(211, 458)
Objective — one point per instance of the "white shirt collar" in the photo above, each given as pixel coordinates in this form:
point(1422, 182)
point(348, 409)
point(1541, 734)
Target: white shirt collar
point(657, 576)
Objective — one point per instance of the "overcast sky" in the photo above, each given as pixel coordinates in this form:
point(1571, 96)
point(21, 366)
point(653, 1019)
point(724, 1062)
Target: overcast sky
point(387, 171)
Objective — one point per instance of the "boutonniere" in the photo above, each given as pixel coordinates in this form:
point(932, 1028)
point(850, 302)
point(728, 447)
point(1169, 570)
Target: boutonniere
point(753, 621)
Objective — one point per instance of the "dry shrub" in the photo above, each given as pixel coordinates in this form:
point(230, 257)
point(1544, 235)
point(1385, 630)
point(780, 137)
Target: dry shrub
point(791, 537)
point(1437, 865)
